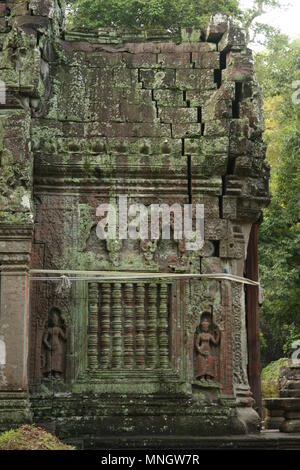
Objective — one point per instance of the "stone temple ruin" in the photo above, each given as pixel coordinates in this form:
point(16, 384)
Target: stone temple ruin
point(87, 117)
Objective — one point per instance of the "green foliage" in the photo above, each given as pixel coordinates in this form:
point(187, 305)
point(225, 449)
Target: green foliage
point(169, 14)
point(292, 337)
point(148, 14)
point(279, 61)
point(279, 247)
point(270, 376)
point(30, 438)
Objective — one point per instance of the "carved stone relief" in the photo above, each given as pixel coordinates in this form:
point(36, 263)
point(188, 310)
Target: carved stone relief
point(207, 350)
point(54, 346)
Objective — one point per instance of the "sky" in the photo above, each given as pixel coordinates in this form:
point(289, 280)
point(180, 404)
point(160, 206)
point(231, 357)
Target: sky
point(288, 21)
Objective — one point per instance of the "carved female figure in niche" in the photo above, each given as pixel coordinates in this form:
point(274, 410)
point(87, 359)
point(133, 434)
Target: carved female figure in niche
point(53, 341)
point(205, 362)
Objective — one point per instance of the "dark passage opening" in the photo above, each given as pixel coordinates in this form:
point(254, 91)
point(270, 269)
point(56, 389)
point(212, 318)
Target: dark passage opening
point(218, 77)
point(238, 99)
point(189, 177)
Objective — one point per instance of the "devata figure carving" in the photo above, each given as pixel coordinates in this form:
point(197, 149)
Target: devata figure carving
point(209, 335)
point(54, 343)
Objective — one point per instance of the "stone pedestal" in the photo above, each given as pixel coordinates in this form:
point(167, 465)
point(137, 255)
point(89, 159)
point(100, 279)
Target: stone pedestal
point(15, 243)
point(291, 421)
point(290, 396)
point(291, 385)
point(275, 414)
point(285, 411)
point(247, 417)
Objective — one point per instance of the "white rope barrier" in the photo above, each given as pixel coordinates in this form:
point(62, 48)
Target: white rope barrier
point(68, 276)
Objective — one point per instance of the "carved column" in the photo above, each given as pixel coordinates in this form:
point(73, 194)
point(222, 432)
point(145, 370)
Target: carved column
point(163, 328)
point(226, 369)
point(239, 337)
point(116, 326)
point(128, 327)
point(93, 326)
point(152, 327)
point(140, 326)
point(252, 304)
point(105, 326)
point(246, 414)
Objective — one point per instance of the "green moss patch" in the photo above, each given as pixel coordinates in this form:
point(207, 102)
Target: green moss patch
point(31, 438)
point(269, 378)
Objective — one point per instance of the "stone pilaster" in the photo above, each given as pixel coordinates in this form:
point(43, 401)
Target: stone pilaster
point(247, 417)
point(15, 247)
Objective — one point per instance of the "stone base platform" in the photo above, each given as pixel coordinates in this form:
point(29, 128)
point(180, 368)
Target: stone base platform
point(265, 440)
point(14, 410)
point(76, 415)
point(285, 412)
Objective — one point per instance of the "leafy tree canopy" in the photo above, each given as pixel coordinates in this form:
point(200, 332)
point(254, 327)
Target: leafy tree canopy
point(166, 14)
point(278, 67)
point(169, 14)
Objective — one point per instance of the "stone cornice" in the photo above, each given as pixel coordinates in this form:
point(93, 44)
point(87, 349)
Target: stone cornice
point(13, 232)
